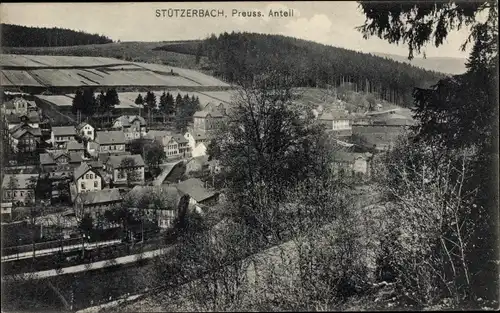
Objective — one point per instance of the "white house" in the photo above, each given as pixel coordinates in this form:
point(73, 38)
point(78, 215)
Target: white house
point(87, 179)
point(119, 171)
point(108, 141)
point(337, 121)
point(86, 130)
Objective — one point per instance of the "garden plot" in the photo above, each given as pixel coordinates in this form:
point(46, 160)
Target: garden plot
point(14, 60)
point(61, 78)
point(19, 78)
point(72, 61)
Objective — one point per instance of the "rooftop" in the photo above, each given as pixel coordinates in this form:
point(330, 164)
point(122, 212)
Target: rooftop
point(64, 130)
point(116, 160)
point(195, 189)
point(82, 169)
point(100, 196)
point(74, 145)
point(110, 137)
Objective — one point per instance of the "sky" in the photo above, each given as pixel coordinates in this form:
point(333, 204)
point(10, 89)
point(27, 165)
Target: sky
point(331, 23)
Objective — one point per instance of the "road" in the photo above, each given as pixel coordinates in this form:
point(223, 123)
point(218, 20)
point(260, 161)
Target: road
point(167, 168)
point(91, 266)
point(29, 254)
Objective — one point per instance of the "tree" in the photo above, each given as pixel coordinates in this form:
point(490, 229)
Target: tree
point(12, 184)
point(111, 99)
point(170, 104)
point(101, 102)
point(154, 155)
point(163, 102)
point(129, 169)
point(199, 51)
point(459, 113)
point(268, 145)
point(89, 101)
point(178, 103)
point(150, 101)
point(139, 100)
point(86, 224)
point(78, 103)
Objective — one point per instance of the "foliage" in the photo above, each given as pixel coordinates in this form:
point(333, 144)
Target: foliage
point(167, 104)
point(185, 109)
point(139, 99)
point(150, 101)
point(152, 151)
point(128, 166)
point(86, 224)
point(429, 22)
point(24, 36)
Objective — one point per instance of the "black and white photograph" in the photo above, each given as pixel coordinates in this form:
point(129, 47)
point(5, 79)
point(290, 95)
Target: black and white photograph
point(249, 156)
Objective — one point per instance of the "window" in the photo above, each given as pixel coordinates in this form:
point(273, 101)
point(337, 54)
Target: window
point(89, 133)
point(82, 185)
point(86, 176)
point(21, 193)
point(96, 184)
point(91, 176)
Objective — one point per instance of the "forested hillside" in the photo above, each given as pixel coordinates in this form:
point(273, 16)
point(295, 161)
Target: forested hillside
point(238, 57)
point(23, 36)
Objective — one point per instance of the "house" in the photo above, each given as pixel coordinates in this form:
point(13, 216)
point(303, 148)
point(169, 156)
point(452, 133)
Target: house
point(109, 141)
point(206, 120)
point(61, 135)
point(337, 121)
point(19, 188)
point(31, 118)
point(74, 146)
point(17, 106)
point(198, 194)
point(85, 130)
point(119, 170)
point(133, 126)
point(157, 135)
point(197, 141)
point(165, 213)
point(197, 164)
point(352, 163)
point(87, 179)
point(60, 157)
point(24, 138)
point(97, 202)
point(6, 211)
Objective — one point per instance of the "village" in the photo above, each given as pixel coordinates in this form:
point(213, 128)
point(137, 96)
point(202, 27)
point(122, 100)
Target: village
point(84, 172)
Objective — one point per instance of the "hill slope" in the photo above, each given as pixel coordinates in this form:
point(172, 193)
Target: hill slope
point(445, 65)
point(23, 36)
point(238, 57)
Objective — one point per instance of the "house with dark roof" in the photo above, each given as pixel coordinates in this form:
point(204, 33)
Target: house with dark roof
point(74, 146)
point(197, 192)
point(125, 169)
point(85, 130)
point(96, 202)
point(30, 118)
point(61, 135)
point(24, 138)
point(133, 126)
point(109, 141)
point(19, 188)
point(87, 179)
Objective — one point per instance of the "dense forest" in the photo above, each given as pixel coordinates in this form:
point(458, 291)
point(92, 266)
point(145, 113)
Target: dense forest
point(238, 57)
point(23, 36)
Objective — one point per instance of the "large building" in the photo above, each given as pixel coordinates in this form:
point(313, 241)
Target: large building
point(61, 135)
point(87, 179)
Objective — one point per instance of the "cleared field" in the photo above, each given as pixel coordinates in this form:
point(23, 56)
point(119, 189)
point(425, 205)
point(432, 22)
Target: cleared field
point(61, 78)
point(224, 96)
point(16, 78)
point(198, 77)
point(37, 61)
point(60, 101)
